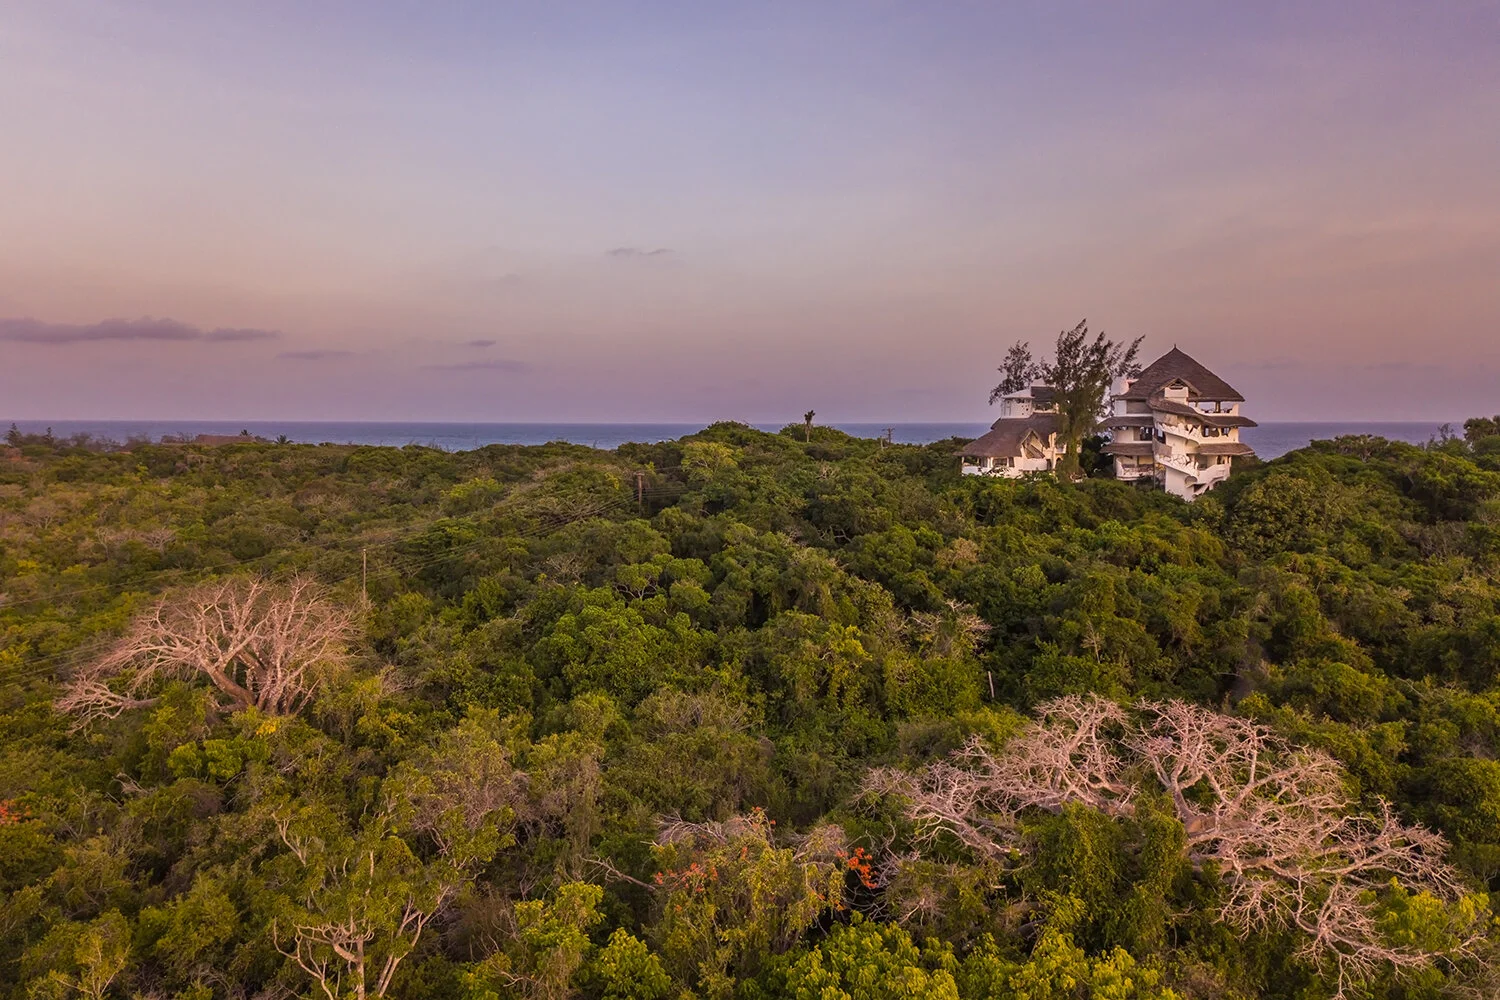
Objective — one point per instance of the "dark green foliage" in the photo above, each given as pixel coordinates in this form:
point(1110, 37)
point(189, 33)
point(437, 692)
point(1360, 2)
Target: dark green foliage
point(777, 614)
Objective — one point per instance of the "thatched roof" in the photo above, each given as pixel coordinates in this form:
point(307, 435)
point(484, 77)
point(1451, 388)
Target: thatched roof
point(1226, 420)
point(1006, 435)
point(1139, 449)
point(1164, 405)
point(1226, 448)
point(1174, 366)
point(1129, 420)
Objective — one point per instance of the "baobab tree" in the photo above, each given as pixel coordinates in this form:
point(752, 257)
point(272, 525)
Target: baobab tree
point(259, 643)
point(1273, 820)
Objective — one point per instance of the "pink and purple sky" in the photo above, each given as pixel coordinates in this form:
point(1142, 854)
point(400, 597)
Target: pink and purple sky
point(627, 211)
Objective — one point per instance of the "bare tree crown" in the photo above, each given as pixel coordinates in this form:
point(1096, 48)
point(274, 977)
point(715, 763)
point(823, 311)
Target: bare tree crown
point(1272, 819)
point(259, 643)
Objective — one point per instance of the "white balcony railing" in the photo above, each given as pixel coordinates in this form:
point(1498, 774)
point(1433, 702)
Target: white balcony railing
point(1213, 474)
point(1195, 432)
point(1018, 467)
point(1181, 462)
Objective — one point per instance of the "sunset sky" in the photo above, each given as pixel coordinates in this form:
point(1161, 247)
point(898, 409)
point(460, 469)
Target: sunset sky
point(689, 211)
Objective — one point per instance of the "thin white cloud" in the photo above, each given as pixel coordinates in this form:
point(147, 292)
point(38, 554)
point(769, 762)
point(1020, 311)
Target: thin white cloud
point(25, 330)
point(631, 253)
point(314, 355)
point(498, 365)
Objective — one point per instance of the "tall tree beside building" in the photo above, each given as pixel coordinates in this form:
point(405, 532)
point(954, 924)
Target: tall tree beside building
point(1080, 371)
point(1475, 428)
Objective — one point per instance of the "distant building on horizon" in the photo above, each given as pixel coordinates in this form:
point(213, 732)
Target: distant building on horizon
point(1176, 422)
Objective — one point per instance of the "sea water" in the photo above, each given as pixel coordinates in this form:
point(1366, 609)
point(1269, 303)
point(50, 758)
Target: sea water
point(1269, 440)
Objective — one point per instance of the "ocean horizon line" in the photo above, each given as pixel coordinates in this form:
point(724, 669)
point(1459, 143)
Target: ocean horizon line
point(1270, 439)
point(30, 422)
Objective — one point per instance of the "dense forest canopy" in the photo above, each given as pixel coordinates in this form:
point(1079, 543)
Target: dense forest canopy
point(745, 715)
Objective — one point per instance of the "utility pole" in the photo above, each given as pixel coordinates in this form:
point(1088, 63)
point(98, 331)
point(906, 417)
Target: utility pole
point(640, 490)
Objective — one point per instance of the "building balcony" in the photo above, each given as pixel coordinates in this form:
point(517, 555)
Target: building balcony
point(1181, 461)
point(1131, 472)
point(1017, 468)
point(1202, 466)
point(1213, 475)
point(1196, 433)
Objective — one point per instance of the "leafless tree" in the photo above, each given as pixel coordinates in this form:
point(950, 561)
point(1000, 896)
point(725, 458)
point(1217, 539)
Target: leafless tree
point(355, 950)
point(821, 845)
point(958, 629)
point(566, 567)
point(1272, 819)
point(159, 537)
point(45, 511)
point(363, 902)
point(671, 711)
point(259, 643)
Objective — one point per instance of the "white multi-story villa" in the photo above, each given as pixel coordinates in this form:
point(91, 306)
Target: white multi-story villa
point(1023, 440)
point(1176, 422)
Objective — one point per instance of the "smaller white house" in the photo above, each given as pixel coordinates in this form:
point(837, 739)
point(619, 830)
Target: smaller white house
point(1023, 440)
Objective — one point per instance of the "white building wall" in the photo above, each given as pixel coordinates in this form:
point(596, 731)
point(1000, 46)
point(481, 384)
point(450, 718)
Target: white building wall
point(1175, 482)
point(1181, 435)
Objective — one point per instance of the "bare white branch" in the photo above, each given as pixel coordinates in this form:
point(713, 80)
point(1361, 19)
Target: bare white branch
point(259, 643)
point(1271, 819)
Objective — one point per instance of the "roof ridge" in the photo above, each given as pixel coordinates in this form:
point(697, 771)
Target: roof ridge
point(1178, 364)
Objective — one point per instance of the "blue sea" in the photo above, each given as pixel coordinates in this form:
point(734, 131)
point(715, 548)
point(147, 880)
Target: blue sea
point(1269, 440)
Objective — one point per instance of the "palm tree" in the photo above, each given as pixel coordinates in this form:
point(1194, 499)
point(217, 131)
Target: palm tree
point(807, 419)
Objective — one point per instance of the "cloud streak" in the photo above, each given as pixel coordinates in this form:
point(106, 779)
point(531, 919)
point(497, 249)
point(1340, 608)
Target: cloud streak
point(227, 335)
point(25, 330)
point(479, 343)
point(314, 355)
point(629, 253)
point(513, 367)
